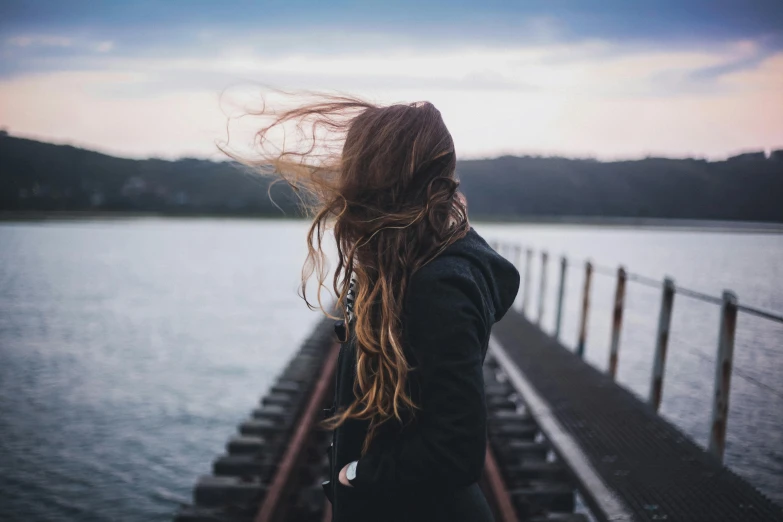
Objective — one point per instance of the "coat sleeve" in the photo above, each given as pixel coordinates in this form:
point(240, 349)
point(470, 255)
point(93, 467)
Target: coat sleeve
point(445, 329)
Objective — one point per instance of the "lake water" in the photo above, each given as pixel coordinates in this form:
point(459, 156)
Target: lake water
point(129, 350)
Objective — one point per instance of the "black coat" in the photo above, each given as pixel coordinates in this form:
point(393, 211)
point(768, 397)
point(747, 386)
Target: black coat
point(428, 468)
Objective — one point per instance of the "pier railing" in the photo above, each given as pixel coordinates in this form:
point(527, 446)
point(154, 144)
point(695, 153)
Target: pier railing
point(729, 305)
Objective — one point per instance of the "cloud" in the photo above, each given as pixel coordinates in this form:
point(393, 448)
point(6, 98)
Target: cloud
point(564, 99)
point(40, 41)
point(606, 77)
point(594, 68)
point(39, 48)
point(178, 27)
point(104, 47)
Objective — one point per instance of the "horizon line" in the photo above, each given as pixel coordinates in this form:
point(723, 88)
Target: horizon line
point(219, 157)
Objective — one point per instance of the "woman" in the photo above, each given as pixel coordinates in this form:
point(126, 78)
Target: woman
point(420, 291)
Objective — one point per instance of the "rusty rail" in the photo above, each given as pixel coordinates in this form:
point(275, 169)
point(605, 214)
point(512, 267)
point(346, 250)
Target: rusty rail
point(661, 343)
point(560, 296)
point(580, 347)
point(274, 466)
point(272, 505)
point(720, 404)
point(617, 321)
point(542, 287)
point(526, 289)
point(497, 490)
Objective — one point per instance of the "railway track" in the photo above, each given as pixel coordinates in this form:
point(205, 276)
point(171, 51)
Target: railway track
point(273, 467)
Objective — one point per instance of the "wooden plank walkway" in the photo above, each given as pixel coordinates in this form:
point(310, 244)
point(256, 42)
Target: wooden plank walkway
point(630, 463)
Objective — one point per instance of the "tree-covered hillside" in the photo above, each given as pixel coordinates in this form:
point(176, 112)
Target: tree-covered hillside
point(36, 176)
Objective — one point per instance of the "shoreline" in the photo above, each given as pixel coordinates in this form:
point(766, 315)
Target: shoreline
point(571, 221)
point(679, 225)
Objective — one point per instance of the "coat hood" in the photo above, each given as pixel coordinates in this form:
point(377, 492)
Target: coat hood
point(500, 276)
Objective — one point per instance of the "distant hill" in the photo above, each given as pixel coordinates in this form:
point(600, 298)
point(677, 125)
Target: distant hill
point(36, 176)
point(748, 188)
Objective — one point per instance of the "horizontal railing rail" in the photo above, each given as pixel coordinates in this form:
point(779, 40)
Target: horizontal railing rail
point(730, 308)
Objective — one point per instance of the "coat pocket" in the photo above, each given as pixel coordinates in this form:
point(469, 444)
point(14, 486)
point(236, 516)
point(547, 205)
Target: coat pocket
point(354, 505)
point(328, 490)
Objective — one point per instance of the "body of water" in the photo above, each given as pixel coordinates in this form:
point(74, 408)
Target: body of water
point(129, 350)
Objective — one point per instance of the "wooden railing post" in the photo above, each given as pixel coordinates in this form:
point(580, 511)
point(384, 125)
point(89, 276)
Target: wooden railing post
point(542, 287)
point(723, 367)
point(580, 346)
point(560, 296)
point(661, 343)
point(526, 289)
point(617, 321)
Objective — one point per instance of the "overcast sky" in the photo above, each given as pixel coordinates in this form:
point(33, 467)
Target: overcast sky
point(609, 79)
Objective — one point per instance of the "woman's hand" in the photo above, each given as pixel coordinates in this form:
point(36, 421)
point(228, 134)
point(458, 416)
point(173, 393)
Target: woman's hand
point(343, 478)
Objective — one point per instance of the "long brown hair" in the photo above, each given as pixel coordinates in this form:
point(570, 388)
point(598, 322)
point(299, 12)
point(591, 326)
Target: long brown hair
point(384, 178)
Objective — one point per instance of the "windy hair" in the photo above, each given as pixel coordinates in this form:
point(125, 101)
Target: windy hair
point(382, 179)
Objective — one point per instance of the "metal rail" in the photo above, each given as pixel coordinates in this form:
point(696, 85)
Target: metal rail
point(730, 308)
point(275, 498)
point(272, 471)
point(760, 313)
point(274, 505)
point(497, 489)
point(603, 501)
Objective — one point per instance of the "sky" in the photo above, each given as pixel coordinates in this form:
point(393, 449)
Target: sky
point(611, 79)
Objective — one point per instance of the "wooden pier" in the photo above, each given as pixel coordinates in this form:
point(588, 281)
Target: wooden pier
point(566, 443)
point(629, 463)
